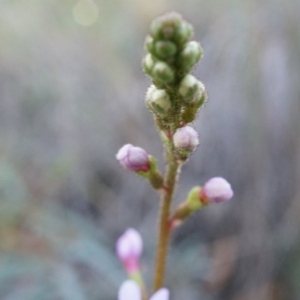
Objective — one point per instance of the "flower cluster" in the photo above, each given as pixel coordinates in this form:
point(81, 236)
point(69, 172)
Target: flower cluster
point(175, 95)
point(170, 53)
point(174, 99)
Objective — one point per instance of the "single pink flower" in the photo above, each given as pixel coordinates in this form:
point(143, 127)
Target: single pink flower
point(216, 189)
point(133, 158)
point(129, 290)
point(129, 248)
point(186, 138)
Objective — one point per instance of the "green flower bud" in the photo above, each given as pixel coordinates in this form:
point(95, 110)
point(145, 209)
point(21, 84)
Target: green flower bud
point(164, 49)
point(158, 100)
point(149, 44)
point(191, 108)
point(148, 64)
point(165, 26)
point(190, 55)
point(200, 95)
point(163, 72)
point(188, 87)
point(183, 33)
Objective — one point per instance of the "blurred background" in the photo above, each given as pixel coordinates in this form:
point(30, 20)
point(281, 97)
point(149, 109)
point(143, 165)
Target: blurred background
point(71, 94)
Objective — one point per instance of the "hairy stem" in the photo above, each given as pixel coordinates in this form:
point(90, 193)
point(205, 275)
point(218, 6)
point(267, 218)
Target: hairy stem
point(166, 201)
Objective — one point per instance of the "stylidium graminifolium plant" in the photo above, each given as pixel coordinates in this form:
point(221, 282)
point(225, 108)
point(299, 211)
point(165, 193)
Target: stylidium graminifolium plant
point(174, 99)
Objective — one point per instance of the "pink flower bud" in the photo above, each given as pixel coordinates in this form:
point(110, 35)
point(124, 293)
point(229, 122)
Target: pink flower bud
point(129, 290)
point(129, 248)
point(186, 138)
point(133, 158)
point(216, 189)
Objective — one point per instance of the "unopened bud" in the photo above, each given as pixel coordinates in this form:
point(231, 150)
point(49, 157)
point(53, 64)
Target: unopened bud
point(200, 95)
point(129, 290)
point(161, 294)
point(158, 100)
point(216, 189)
point(183, 33)
point(193, 104)
point(164, 26)
point(133, 158)
point(129, 248)
point(163, 72)
point(148, 64)
point(188, 87)
point(165, 49)
point(190, 55)
point(186, 138)
point(149, 44)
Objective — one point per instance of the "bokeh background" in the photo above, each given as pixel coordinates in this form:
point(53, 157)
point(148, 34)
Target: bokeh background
point(71, 94)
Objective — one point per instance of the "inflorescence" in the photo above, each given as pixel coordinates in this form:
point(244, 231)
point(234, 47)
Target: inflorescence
point(174, 99)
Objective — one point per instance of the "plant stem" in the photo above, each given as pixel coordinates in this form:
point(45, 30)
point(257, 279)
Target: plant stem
point(166, 201)
point(138, 278)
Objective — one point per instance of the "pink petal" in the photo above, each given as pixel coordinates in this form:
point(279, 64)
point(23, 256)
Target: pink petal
point(162, 294)
point(129, 290)
point(217, 189)
point(129, 245)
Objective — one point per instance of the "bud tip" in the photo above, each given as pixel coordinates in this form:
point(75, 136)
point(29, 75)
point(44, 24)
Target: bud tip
point(217, 190)
point(133, 158)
